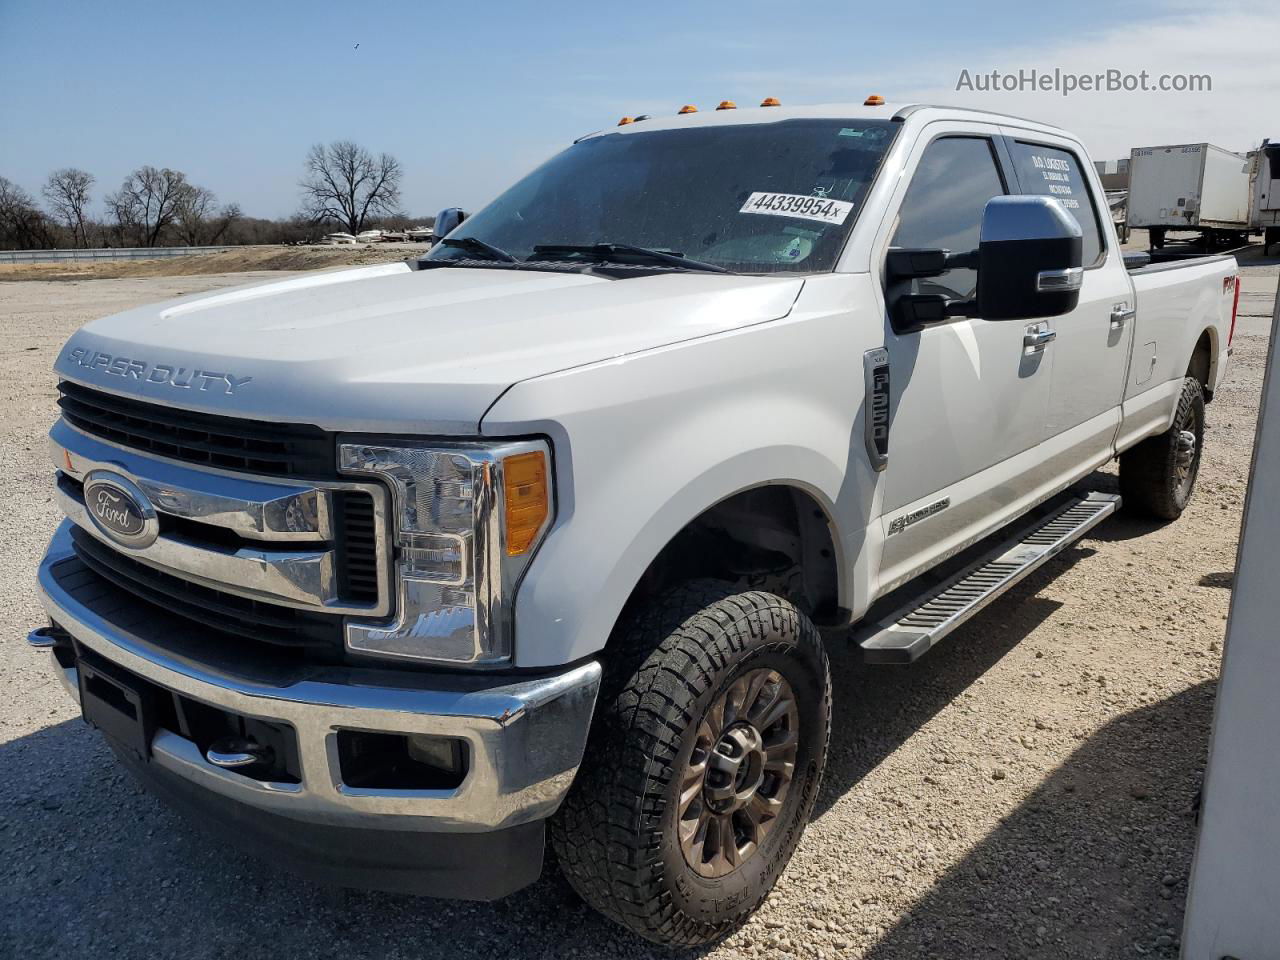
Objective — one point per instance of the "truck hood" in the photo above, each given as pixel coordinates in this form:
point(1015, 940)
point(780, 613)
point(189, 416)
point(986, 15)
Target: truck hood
point(391, 349)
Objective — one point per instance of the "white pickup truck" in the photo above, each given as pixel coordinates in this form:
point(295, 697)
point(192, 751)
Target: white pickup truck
point(390, 573)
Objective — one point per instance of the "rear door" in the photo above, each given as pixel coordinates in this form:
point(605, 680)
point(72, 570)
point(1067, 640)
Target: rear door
point(967, 397)
point(1091, 349)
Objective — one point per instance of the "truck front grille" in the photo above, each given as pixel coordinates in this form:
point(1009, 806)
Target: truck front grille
point(283, 450)
point(259, 538)
point(223, 612)
point(356, 529)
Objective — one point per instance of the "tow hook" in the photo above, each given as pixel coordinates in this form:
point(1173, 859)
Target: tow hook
point(42, 638)
point(234, 752)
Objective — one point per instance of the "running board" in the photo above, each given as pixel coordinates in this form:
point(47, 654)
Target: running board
point(911, 630)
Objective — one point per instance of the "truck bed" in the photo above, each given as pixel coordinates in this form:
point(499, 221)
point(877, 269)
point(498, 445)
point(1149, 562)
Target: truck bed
point(1140, 263)
point(1182, 307)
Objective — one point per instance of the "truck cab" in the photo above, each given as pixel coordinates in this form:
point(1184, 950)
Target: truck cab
point(390, 573)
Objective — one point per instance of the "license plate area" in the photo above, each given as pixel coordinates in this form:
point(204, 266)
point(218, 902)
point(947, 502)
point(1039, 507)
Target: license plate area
point(117, 704)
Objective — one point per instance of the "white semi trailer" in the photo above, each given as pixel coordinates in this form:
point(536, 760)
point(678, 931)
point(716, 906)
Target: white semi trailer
point(1264, 193)
point(1189, 186)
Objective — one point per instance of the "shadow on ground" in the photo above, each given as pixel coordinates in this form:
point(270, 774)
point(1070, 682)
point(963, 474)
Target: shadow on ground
point(94, 865)
point(1097, 857)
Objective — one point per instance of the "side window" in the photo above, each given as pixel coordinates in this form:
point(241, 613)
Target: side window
point(943, 206)
point(1050, 172)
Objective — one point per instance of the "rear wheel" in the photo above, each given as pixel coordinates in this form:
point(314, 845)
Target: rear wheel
point(1158, 476)
point(703, 766)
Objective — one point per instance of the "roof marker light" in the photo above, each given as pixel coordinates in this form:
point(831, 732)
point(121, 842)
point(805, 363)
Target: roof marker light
point(625, 120)
point(770, 102)
point(687, 108)
point(875, 100)
point(727, 105)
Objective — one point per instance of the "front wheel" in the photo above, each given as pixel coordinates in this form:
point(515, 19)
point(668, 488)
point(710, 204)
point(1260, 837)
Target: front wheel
point(1158, 476)
point(703, 766)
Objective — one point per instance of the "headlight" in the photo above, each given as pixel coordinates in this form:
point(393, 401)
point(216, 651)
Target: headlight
point(468, 520)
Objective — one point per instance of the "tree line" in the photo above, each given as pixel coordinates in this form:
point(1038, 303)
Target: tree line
point(344, 187)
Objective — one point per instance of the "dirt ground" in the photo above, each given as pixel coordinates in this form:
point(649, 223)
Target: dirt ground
point(237, 260)
point(1026, 790)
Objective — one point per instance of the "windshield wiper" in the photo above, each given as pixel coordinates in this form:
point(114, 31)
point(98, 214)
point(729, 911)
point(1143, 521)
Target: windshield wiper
point(476, 245)
point(622, 252)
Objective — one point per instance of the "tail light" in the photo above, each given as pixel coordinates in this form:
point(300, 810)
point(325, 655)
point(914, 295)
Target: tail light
point(1235, 306)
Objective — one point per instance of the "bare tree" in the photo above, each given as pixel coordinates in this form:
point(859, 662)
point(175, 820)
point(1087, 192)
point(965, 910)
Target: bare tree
point(229, 215)
point(22, 224)
point(67, 192)
point(191, 213)
point(346, 183)
point(197, 218)
point(146, 203)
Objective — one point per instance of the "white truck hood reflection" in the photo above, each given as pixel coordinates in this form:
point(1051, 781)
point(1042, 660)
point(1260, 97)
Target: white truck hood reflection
point(389, 349)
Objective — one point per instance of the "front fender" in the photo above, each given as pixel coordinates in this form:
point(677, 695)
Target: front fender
point(645, 444)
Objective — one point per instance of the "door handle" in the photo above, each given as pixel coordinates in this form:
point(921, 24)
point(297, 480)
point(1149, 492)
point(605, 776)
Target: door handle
point(1035, 340)
point(1120, 315)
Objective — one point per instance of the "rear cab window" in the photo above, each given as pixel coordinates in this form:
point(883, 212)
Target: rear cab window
point(1048, 171)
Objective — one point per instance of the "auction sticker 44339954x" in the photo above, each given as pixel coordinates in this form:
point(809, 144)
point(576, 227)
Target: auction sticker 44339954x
point(822, 209)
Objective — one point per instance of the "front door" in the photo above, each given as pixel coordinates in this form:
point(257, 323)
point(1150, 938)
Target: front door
point(968, 397)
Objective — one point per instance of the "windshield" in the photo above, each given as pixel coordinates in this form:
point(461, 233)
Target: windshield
point(754, 198)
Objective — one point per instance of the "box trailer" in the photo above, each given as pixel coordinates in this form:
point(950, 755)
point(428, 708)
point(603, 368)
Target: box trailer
point(1264, 193)
point(1189, 186)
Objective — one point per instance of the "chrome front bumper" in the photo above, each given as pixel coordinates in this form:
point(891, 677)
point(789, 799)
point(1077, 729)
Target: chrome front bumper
point(525, 737)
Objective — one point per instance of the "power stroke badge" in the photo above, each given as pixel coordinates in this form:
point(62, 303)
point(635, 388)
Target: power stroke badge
point(898, 524)
point(184, 378)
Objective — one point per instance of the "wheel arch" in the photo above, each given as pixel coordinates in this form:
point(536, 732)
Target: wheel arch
point(778, 536)
point(1203, 364)
point(582, 585)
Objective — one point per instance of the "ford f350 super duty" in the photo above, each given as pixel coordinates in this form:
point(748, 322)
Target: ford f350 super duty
point(394, 573)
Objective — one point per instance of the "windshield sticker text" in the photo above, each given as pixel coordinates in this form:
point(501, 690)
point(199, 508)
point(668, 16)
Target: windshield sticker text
point(821, 209)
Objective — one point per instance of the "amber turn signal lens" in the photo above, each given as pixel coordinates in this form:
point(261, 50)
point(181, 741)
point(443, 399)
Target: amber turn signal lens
point(688, 108)
point(527, 501)
point(727, 105)
point(875, 100)
point(770, 102)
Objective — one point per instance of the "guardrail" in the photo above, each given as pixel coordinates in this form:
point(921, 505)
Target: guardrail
point(103, 253)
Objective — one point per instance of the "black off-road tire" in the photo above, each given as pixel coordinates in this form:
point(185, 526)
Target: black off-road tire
point(1150, 480)
point(616, 836)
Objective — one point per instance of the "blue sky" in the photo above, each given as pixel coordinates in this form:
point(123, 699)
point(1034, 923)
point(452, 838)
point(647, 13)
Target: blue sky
point(470, 95)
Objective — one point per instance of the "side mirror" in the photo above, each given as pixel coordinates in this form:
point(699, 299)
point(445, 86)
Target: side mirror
point(447, 221)
point(1029, 262)
point(1030, 259)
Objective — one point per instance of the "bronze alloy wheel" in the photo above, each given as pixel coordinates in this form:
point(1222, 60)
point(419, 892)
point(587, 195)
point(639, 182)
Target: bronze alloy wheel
point(1186, 457)
point(1158, 475)
point(738, 773)
point(703, 765)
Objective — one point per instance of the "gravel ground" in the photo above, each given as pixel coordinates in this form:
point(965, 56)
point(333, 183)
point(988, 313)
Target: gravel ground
point(1026, 790)
point(236, 260)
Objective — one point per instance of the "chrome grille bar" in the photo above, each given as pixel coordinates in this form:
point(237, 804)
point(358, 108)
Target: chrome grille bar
point(277, 510)
point(282, 547)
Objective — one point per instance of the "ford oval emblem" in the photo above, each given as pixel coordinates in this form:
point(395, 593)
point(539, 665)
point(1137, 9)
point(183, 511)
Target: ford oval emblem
point(120, 510)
